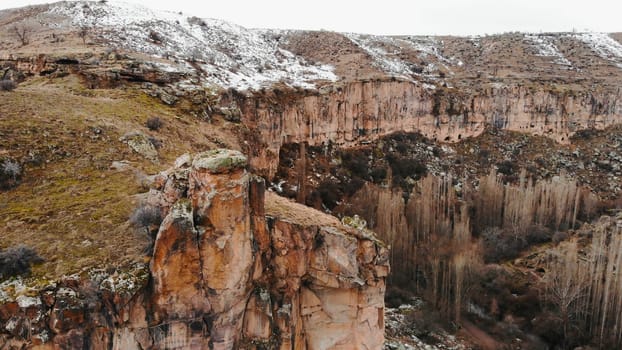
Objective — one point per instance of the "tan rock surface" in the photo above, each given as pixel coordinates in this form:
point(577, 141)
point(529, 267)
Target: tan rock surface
point(347, 114)
point(233, 267)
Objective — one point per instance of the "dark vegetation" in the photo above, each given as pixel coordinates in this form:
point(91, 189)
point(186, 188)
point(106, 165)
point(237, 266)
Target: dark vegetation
point(504, 244)
point(148, 218)
point(154, 123)
point(17, 261)
point(344, 172)
point(7, 85)
point(10, 174)
point(400, 163)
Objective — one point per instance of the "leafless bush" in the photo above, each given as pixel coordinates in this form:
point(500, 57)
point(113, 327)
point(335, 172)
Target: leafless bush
point(146, 217)
point(10, 173)
point(83, 34)
point(22, 33)
point(156, 37)
point(154, 123)
point(7, 85)
point(17, 260)
point(559, 237)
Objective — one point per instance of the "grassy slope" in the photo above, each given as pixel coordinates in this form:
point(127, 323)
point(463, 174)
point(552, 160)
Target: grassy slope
point(71, 206)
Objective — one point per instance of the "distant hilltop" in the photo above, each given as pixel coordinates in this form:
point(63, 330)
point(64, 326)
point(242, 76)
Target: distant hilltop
point(229, 55)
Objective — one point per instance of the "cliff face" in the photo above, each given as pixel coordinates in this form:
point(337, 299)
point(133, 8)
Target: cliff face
point(227, 272)
point(350, 113)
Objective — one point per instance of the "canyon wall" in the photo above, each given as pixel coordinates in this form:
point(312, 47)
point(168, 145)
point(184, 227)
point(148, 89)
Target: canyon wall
point(233, 267)
point(348, 114)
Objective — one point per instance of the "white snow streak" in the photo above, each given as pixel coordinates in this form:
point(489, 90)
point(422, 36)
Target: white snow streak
point(543, 44)
point(603, 45)
point(232, 55)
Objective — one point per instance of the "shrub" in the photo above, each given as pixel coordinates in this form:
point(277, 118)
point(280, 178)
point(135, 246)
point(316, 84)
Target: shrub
point(395, 296)
point(356, 162)
point(537, 234)
point(585, 134)
point(10, 174)
point(378, 174)
point(506, 167)
point(501, 245)
point(155, 37)
point(330, 193)
point(154, 123)
point(17, 260)
point(155, 142)
point(559, 236)
point(7, 85)
point(405, 167)
point(148, 218)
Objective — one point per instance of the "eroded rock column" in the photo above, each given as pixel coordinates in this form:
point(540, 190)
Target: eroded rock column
point(218, 189)
point(203, 257)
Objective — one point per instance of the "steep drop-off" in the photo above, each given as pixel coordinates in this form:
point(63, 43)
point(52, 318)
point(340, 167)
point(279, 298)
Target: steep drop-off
point(226, 273)
point(349, 114)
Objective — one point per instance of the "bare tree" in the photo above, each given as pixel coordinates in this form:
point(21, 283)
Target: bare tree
point(566, 283)
point(83, 33)
point(22, 33)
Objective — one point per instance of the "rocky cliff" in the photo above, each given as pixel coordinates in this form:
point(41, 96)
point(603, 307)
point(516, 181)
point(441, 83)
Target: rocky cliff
point(353, 113)
point(233, 267)
point(324, 87)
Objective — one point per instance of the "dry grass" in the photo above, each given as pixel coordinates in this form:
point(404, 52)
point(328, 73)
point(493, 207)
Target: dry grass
point(288, 210)
point(70, 205)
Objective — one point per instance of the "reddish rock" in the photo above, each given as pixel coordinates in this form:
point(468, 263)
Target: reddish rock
point(176, 266)
point(233, 267)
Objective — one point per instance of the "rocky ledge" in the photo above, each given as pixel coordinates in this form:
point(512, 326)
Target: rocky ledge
point(233, 267)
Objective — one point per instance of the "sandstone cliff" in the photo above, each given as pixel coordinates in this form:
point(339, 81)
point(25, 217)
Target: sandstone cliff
point(324, 87)
point(353, 113)
point(233, 267)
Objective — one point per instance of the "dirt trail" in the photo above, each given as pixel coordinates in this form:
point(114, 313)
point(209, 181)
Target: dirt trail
point(479, 337)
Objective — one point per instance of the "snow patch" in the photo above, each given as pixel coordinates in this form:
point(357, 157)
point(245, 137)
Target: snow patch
point(386, 51)
point(543, 44)
point(603, 45)
point(371, 44)
point(26, 301)
point(231, 55)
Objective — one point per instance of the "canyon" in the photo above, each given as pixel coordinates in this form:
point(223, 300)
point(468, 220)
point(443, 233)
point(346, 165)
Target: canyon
point(415, 135)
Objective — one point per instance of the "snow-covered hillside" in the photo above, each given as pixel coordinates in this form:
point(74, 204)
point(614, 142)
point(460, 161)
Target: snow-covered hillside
point(603, 45)
point(215, 52)
point(232, 56)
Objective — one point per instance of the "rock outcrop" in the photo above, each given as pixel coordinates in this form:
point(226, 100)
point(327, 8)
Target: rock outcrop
point(233, 267)
point(350, 113)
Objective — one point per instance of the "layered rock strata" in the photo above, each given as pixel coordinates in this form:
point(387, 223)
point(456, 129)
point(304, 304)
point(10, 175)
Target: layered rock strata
point(347, 114)
point(233, 267)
